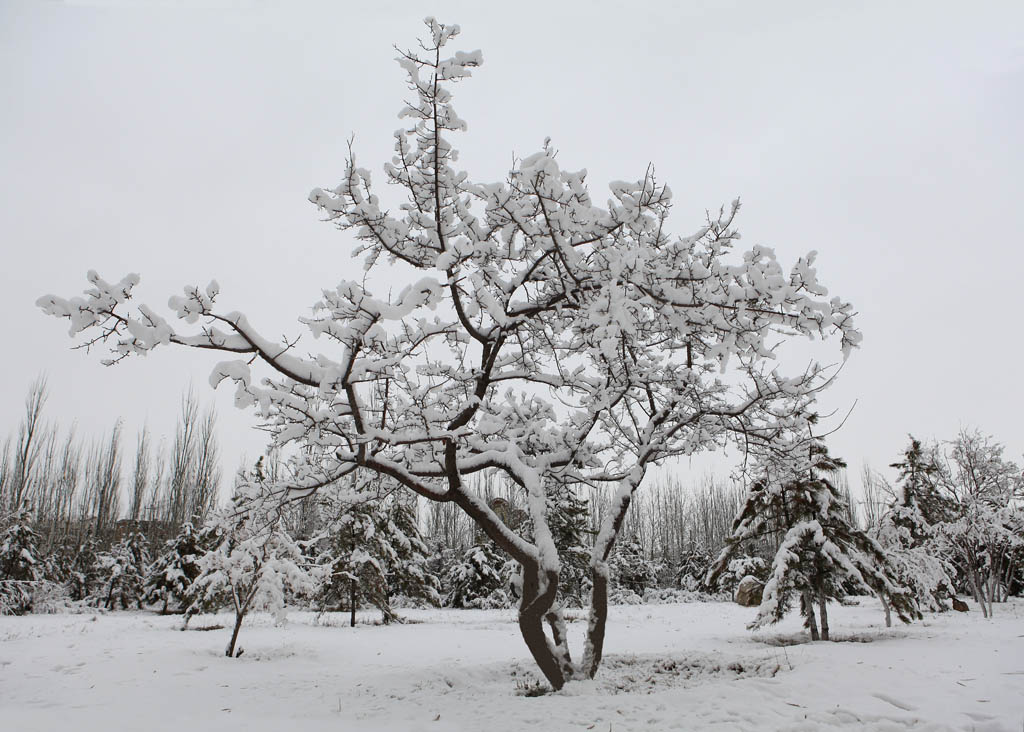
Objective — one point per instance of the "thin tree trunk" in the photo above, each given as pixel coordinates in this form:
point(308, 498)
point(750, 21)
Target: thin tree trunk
point(239, 616)
point(823, 605)
point(352, 602)
point(811, 621)
point(888, 611)
point(977, 589)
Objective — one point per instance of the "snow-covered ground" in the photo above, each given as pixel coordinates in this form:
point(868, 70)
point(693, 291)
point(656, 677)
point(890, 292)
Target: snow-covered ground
point(668, 667)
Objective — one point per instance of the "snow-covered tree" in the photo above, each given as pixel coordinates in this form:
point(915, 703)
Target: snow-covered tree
point(570, 527)
point(173, 572)
point(19, 548)
point(374, 551)
point(478, 579)
point(19, 563)
point(123, 572)
point(409, 572)
point(919, 502)
point(632, 571)
point(821, 552)
point(908, 532)
point(985, 534)
point(256, 564)
point(542, 336)
point(84, 574)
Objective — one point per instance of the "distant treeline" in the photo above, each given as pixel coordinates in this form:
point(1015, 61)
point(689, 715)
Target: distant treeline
point(76, 484)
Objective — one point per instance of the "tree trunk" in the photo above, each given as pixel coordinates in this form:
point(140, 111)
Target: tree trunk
point(239, 616)
point(810, 621)
point(977, 589)
point(823, 605)
point(533, 608)
point(888, 612)
point(352, 602)
point(597, 623)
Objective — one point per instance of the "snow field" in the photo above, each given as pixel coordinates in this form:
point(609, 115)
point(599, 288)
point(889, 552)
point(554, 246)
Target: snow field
point(668, 667)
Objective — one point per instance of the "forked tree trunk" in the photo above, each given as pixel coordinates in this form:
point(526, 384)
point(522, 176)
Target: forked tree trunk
point(534, 607)
point(540, 590)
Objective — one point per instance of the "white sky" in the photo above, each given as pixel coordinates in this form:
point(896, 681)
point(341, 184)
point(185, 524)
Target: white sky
point(180, 140)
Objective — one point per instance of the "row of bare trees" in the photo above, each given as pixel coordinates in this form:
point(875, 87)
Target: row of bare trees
point(76, 484)
point(673, 520)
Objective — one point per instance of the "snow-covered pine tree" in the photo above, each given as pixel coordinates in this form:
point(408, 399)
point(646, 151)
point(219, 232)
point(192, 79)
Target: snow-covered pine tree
point(19, 563)
point(172, 573)
point(409, 571)
point(255, 565)
point(479, 579)
point(821, 551)
point(357, 556)
point(123, 572)
point(569, 520)
point(85, 573)
point(919, 503)
point(909, 538)
point(632, 572)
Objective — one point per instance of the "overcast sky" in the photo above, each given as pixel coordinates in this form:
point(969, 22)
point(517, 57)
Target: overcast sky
point(180, 140)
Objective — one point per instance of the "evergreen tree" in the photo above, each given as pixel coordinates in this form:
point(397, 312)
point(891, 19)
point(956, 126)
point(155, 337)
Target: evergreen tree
point(172, 574)
point(123, 571)
point(631, 569)
point(569, 521)
point(19, 564)
point(356, 558)
point(919, 503)
point(85, 575)
point(374, 551)
point(821, 552)
point(479, 579)
point(19, 551)
point(409, 571)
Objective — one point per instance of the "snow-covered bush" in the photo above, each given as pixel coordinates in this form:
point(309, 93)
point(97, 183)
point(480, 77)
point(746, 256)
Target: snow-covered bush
point(740, 567)
point(670, 595)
